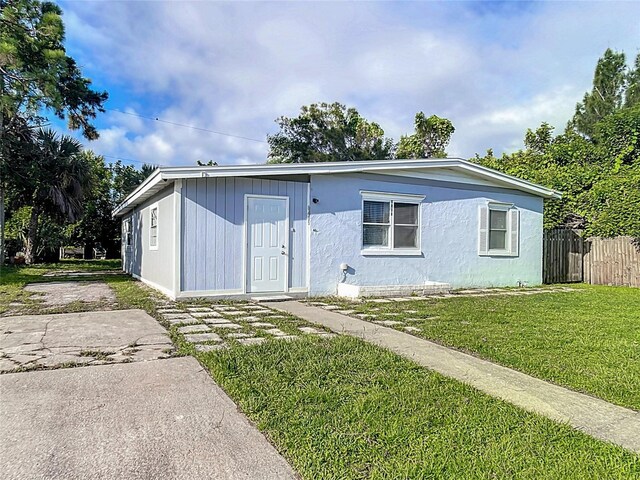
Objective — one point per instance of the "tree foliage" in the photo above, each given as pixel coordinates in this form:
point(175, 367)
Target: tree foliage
point(327, 132)
point(595, 162)
point(36, 74)
point(430, 140)
point(614, 87)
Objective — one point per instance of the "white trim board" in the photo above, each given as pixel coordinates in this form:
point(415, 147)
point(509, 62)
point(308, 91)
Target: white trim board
point(154, 285)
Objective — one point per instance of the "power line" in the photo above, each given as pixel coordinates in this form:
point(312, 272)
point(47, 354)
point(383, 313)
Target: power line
point(156, 119)
point(130, 160)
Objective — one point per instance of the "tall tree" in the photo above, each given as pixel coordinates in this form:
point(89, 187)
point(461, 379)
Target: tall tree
point(632, 95)
point(606, 96)
point(326, 132)
point(37, 76)
point(430, 140)
point(54, 181)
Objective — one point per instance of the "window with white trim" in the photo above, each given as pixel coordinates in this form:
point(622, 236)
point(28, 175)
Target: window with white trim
point(499, 230)
point(390, 223)
point(153, 228)
point(127, 233)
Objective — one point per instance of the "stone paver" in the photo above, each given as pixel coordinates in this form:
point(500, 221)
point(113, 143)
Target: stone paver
point(208, 314)
point(263, 325)
point(252, 341)
point(81, 338)
point(143, 420)
point(285, 337)
point(202, 337)
point(238, 335)
point(210, 348)
point(310, 330)
point(63, 293)
point(169, 310)
point(199, 309)
point(276, 332)
point(591, 415)
point(215, 321)
point(194, 329)
point(233, 326)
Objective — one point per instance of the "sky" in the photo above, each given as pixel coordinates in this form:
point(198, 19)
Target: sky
point(493, 68)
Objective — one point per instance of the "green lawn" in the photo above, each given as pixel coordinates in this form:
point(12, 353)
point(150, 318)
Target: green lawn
point(588, 340)
point(344, 409)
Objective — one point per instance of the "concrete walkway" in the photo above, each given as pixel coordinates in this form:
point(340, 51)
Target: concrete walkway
point(591, 415)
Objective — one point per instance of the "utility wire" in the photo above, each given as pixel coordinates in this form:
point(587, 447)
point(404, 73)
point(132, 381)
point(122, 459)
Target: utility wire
point(156, 119)
point(130, 160)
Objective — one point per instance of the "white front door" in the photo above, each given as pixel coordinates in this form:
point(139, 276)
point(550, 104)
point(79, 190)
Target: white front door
point(267, 243)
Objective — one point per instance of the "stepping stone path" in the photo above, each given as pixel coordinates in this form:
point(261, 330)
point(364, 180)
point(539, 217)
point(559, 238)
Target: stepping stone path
point(215, 327)
point(480, 292)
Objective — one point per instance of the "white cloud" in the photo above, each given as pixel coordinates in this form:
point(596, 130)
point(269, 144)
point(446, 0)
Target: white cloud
point(235, 67)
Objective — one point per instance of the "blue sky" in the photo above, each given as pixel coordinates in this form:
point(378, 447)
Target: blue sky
point(494, 69)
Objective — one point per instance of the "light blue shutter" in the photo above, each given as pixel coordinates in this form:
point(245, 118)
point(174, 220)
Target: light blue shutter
point(514, 231)
point(483, 230)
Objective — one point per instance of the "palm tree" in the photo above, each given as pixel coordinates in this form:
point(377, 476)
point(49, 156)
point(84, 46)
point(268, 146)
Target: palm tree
point(58, 178)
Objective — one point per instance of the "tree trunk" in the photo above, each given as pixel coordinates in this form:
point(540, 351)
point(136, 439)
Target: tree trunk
point(31, 236)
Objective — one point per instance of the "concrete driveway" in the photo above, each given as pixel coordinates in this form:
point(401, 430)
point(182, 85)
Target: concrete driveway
point(158, 419)
point(82, 338)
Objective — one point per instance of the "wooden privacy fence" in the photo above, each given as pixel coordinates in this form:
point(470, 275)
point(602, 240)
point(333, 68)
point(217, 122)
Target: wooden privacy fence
point(567, 257)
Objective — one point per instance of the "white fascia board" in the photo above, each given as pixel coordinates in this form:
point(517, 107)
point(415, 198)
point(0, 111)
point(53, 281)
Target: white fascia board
point(132, 198)
point(302, 168)
point(174, 173)
point(520, 184)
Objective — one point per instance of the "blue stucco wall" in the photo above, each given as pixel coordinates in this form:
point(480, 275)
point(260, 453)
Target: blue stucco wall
point(212, 231)
point(449, 235)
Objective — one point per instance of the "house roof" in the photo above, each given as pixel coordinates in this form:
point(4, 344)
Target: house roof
point(161, 177)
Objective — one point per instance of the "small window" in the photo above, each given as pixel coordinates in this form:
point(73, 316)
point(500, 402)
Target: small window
point(153, 228)
point(390, 223)
point(127, 237)
point(499, 230)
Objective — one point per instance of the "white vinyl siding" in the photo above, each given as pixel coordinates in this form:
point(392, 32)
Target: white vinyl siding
point(390, 223)
point(498, 230)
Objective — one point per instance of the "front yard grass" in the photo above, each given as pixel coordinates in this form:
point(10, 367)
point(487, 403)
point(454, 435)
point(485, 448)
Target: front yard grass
point(588, 339)
point(344, 409)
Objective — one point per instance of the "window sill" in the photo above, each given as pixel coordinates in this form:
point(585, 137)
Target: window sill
point(392, 253)
point(498, 253)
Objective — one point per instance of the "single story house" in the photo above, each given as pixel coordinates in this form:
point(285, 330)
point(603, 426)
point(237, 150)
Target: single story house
point(348, 228)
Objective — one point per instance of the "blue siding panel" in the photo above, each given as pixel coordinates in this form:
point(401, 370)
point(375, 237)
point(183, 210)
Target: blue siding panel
point(213, 231)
